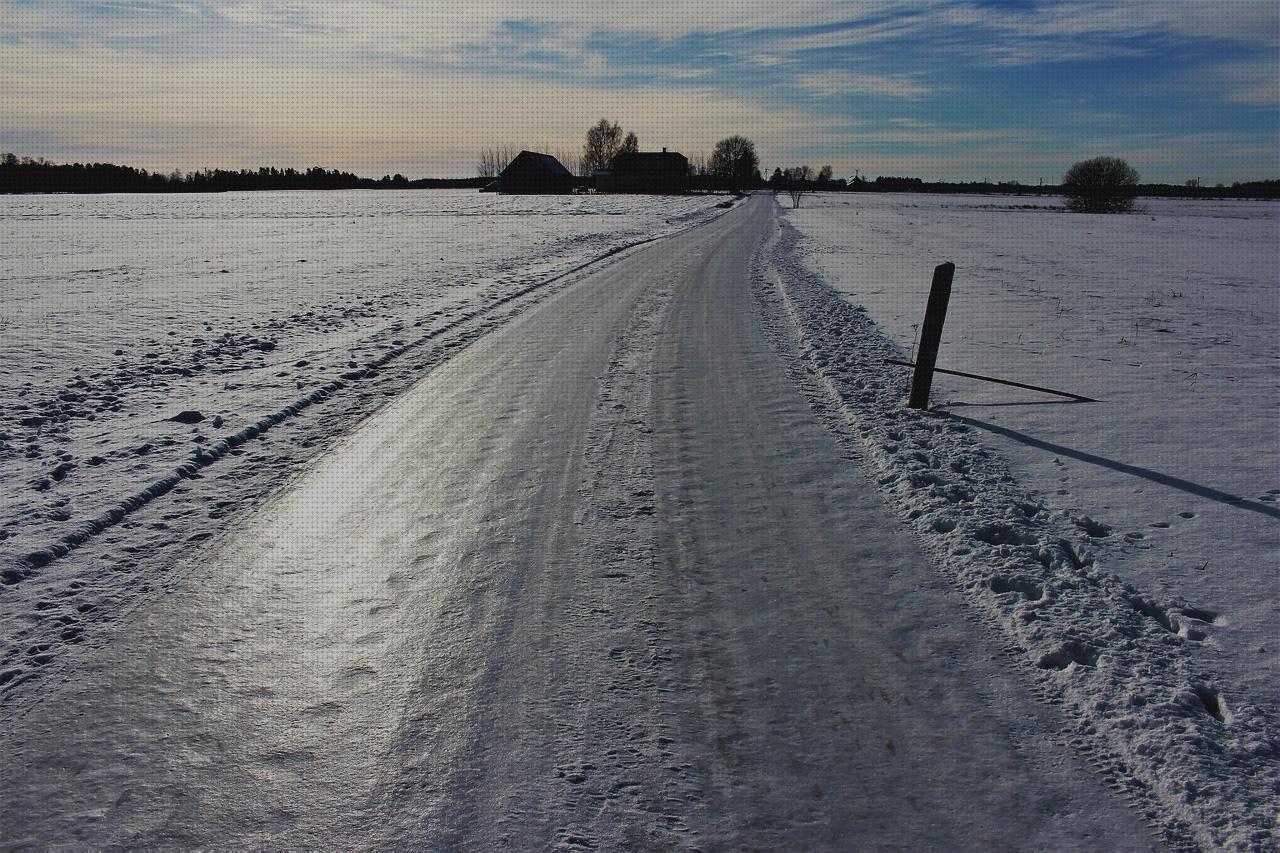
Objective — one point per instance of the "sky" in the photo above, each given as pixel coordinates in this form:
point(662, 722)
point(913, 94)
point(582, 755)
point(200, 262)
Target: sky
point(960, 90)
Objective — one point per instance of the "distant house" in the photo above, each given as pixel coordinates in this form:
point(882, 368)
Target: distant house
point(531, 173)
point(659, 172)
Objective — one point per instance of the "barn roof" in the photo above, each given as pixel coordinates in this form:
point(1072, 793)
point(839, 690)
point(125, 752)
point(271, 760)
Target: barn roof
point(531, 163)
point(649, 161)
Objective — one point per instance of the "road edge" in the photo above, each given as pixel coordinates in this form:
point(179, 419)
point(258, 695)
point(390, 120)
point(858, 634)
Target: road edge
point(1160, 728)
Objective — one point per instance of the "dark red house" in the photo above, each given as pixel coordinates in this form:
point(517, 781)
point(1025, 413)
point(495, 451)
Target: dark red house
point(658, 172)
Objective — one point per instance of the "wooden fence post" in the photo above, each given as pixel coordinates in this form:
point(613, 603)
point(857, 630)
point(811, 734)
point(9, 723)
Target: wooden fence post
point(935, 315)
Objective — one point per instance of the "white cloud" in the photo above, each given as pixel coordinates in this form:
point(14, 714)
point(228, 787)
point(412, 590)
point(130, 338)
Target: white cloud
point(1245, 21)
point(1036, 51)
point(843, 82)
point(474, 19)
point(1051, 32)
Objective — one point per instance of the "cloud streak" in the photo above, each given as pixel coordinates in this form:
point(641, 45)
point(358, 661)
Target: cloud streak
point(836, 82)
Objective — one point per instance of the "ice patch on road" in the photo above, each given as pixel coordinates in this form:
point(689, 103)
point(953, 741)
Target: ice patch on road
point(1204, 762)
point(629, 787)
point(88, 446)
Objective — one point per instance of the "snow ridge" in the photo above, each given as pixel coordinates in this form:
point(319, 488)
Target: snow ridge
point(47, 612)
point(1202, 762)
point(26, 566)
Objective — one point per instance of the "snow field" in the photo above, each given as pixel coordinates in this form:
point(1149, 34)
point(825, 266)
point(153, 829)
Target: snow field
point(1141, 667)
point(1168, 317)
point(145, 338)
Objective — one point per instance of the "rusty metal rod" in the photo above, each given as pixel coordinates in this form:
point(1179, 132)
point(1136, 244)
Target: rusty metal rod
point(998, 381)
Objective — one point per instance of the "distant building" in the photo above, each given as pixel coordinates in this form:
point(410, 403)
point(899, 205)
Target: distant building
point(658, 172)
point(531, 173)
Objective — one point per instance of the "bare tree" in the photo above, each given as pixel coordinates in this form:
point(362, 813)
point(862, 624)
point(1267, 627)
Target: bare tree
point(734, 161)
point(571, 159)
point(631, 144)
point(493, 160)
point(825, 174)
point(603, 141)
point(797, 180)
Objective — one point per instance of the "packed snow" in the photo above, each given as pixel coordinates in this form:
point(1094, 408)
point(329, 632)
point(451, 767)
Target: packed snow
point(1128, 548)
point(145, 337)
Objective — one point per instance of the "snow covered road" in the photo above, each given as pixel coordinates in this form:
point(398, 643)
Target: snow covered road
point(601, 580)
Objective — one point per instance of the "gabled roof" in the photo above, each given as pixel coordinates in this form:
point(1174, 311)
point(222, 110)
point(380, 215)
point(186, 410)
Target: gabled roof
point(648, 161)
point(533, 163)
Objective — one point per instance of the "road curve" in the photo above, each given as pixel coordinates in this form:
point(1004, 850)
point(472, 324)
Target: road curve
point(601, 581)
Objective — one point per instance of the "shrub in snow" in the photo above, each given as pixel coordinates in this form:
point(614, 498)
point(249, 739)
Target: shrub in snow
point(1100, 185)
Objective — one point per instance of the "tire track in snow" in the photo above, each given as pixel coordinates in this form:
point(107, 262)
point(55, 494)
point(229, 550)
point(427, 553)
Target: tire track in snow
point(33, 650)
point(27, 565)
point(628, 788)
point(400, 648)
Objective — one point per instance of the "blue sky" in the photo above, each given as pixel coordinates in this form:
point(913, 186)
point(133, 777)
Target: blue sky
point(957, 90)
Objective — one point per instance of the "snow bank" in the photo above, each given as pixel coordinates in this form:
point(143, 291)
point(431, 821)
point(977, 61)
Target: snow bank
point(1134, 667)
point(1169, 317)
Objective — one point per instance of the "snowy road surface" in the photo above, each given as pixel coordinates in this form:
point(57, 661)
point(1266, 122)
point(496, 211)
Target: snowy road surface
point(602, 580)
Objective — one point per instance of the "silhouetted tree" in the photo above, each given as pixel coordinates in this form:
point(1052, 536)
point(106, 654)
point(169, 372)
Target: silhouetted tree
point(1100, 185)
point(734, 162)
point(631, 144)
point(825, 174)
point(603, 141)
point(798, 181)
point(570, 158)
point(493, 160)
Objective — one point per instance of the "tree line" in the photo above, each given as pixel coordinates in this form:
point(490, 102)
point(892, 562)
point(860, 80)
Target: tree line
point(1103, 184)
point(732, 163)
point(895, 184)
point(37, 175)
point(799, 180)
